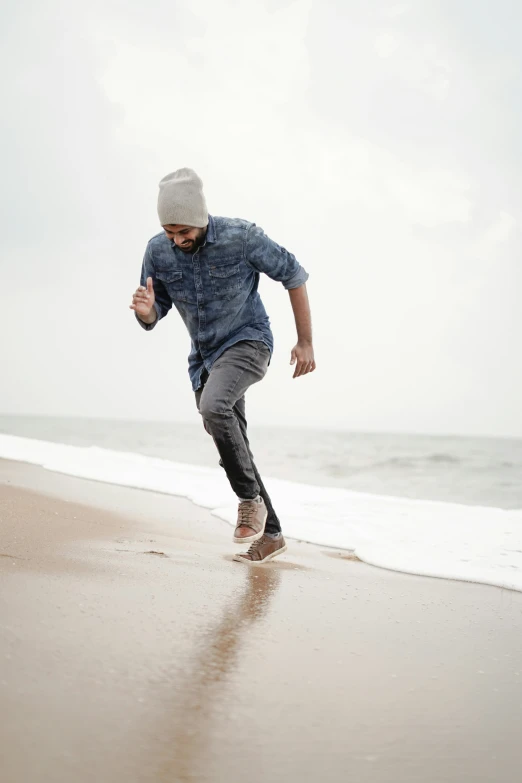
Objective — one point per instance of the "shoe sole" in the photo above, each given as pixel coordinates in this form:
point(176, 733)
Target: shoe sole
point(253, 538)
point(240, 559)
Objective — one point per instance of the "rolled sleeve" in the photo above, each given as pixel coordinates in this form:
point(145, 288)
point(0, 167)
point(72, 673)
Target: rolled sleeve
point(163, 302)
point(265, 255)
point(145, 326)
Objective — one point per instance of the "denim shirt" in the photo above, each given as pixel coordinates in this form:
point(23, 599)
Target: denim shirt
point(215, 289)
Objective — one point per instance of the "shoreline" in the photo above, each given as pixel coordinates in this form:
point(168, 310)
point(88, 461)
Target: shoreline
point(135, 648)
point(479, 544)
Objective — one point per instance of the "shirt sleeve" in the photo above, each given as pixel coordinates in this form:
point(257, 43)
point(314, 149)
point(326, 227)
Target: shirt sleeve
point(264, 255)
point(163, 302)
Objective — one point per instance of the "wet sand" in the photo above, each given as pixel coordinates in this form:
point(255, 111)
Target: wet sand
point(132, 648)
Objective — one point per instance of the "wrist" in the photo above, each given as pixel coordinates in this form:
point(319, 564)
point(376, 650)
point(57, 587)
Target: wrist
point(150, 318)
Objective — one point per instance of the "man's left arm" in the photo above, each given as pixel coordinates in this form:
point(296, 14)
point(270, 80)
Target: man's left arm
point(303, 352)
point(265, 255)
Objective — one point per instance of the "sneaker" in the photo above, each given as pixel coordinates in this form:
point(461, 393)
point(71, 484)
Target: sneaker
point(262, 550)
point(251, 521)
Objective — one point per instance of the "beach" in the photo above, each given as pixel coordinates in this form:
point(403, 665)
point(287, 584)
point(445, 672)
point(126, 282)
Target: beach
point(134, 649)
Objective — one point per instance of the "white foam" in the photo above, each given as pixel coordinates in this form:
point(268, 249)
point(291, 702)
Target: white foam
point(444, 540)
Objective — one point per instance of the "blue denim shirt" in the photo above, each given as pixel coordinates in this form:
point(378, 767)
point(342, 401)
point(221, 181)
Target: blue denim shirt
point(215, 289)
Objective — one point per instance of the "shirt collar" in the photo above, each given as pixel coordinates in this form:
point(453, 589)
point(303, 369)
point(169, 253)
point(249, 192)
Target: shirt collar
point(211, 231)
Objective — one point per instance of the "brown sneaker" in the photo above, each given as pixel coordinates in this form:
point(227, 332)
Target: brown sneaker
point(251, 521)
point(262, 550)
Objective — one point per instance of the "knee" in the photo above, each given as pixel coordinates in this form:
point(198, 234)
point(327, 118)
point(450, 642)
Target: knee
point(213, 412)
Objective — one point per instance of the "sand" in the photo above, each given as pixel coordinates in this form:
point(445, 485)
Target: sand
point(132, 648)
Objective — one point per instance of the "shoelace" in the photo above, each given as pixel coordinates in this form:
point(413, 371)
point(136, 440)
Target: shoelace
point(246, 512)
point(255, 545)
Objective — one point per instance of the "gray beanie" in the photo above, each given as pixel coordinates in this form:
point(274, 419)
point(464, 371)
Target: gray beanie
point(181, 200)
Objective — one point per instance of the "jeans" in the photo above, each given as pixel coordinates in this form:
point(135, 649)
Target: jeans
point(221, 403)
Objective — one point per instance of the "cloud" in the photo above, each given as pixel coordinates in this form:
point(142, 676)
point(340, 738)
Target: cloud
point(218, 71)
point(385, 44)
point(501, 230)
point(397, 10)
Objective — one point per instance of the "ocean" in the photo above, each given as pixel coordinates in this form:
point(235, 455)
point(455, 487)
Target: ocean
point(438, 505)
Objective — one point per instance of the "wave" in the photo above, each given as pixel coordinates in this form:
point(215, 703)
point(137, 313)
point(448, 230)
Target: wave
point(444, 459)
point(428, 538)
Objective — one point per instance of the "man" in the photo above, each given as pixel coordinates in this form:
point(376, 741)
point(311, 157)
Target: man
point(209, 268)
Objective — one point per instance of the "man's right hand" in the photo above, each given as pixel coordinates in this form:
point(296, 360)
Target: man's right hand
point(143, 302)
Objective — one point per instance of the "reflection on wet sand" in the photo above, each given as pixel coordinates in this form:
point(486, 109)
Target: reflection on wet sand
point(205, 681)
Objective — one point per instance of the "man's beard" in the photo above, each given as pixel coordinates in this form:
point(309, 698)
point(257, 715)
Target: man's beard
point(195, 244)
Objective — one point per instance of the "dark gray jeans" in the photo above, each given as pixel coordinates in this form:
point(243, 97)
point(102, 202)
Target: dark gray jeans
point(221, 402)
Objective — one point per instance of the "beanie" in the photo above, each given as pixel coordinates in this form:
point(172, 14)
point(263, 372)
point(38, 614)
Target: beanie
point(181, 200)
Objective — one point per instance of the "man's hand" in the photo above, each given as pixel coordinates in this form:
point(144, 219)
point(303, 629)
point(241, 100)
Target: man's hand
point(303, 355)
point(143, 302)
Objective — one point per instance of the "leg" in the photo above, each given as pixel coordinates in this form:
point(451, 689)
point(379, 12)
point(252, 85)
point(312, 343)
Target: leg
point(233, 373)
point(273, 524)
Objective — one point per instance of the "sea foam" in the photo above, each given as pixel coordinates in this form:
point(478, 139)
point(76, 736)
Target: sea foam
point(445, 540)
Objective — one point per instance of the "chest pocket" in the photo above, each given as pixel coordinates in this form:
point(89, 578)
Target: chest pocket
point(225, 278)
point(177, 288)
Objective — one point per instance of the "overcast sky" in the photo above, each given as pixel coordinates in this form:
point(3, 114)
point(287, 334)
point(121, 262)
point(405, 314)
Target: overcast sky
point(378, 141)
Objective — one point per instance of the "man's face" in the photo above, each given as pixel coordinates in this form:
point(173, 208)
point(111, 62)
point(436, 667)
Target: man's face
point(187, 238)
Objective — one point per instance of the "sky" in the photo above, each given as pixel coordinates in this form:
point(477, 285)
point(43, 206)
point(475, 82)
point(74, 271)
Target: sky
point(377, 141)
